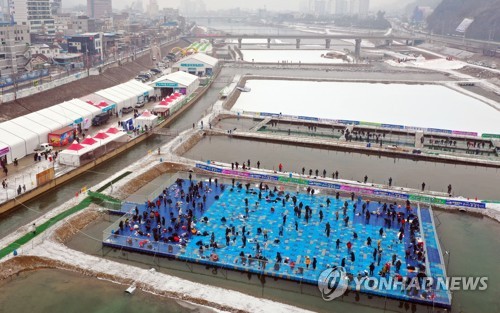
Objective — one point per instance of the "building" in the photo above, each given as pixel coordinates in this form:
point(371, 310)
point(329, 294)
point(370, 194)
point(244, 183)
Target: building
point(14, 49)
point(364, 7)
point(4, 11)
point(99, 8)
point(341, 7)
point(56, 7)
point(90, 45)
point(47, 50)
point(153, 8)
point(181, 82)
point(36, 14)
point(198, 64)
point(67, 24)
point(320, 7)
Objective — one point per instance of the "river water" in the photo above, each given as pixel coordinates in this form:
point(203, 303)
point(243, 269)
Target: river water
point(473, 242)
point(55, 291)
point(468, 181)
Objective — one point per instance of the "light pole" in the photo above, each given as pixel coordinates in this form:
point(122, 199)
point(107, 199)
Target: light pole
point(448, 253)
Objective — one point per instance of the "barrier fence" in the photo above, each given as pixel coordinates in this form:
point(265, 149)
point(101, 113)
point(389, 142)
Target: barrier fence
point(381, 125)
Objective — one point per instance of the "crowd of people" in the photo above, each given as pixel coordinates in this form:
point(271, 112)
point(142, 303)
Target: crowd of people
point(177, 217)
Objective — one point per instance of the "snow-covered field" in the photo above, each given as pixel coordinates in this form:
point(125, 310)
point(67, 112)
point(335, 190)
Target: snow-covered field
point(427, 106)
point(275, 56)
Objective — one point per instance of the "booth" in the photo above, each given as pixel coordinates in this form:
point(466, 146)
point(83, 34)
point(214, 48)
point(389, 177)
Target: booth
point(73, 154)
point(127, 124)
point(180, 82)
point(62, 137)
point(146, 119)
point(198, 64)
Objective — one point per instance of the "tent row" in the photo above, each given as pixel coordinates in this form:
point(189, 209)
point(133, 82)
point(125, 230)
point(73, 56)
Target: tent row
point(22, 135)
point(87, 149)
point(125, 95)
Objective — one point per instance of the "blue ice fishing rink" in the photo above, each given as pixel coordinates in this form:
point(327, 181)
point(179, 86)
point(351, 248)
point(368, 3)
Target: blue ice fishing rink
point(265, 217)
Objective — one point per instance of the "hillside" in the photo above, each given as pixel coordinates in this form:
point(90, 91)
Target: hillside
point(450, 13)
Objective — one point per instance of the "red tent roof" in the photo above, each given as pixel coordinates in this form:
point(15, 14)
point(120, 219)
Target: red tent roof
point(90, 102)
point(103, 104)
point(75, 146)
point(101, 135)
point(112, 130)
point(146, 113)
point(88, 141)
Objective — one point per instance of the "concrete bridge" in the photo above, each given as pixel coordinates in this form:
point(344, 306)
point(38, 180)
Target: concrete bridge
point(410, 40)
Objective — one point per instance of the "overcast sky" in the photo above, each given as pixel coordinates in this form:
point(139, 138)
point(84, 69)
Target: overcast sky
point(225, 4)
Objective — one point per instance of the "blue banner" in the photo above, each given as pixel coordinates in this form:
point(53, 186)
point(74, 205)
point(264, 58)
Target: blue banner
point(323, 184)
point(393, 126)
point(308, 118)
point(209, 168)
point(397, 195)
point(262, 176)
point(437, 130)
point(468, 204)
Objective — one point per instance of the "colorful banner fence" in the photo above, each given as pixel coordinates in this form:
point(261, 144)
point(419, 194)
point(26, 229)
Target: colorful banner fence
point(342, 187)
point(374, 124)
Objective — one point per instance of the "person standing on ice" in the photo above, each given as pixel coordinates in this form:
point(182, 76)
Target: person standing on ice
point(280, 167)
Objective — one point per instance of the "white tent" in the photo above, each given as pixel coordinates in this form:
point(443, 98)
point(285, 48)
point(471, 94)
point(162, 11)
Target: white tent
point(40, 129)
point(72, 154)
point(141, 86)
point(146, 118)
point(86, 106)
point(95, 99)
point(75, 118)
point(134, 94)
point(121, 101)
point(85, 114)
point(141, 91)
point(52, 124)
point(61, 119)
point(26, 136)
point(17, 146)
point(131, 96)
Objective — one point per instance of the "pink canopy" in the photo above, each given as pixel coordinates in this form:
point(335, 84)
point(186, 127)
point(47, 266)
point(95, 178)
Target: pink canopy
point(146, 113)
point(88, 141)
point(75, 146)
point(112, 130)
point(103, 104)
point(165, 101)
point(90, 102)
point(101, 135)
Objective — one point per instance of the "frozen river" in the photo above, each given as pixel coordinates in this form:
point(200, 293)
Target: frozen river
point(426, 106)
point(294, 56)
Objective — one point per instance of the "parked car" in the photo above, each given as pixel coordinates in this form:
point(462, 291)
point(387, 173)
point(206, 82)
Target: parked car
point(43, 147)
point(100, 119)
point(139, 105)
point(127, 110)
point(155, 71)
